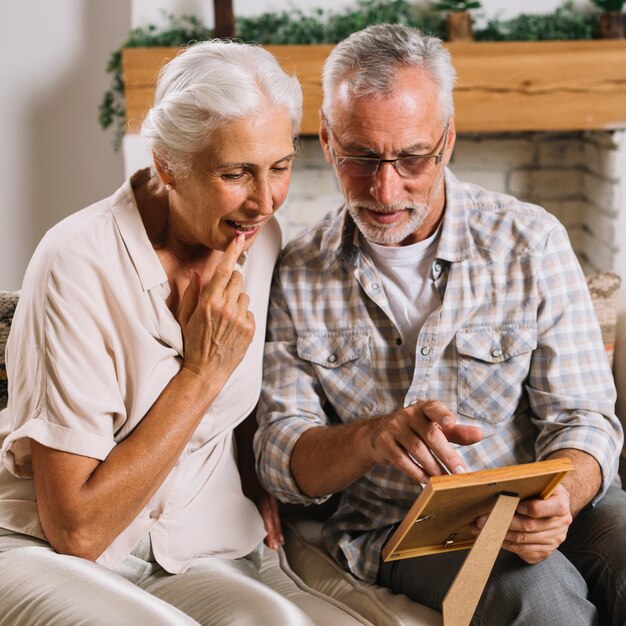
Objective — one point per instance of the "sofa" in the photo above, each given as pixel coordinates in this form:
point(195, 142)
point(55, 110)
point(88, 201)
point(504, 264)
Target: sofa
point(303, 548)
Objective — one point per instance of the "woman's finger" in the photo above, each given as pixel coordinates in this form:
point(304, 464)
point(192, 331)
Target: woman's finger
point(226, 265)
point(189, 301)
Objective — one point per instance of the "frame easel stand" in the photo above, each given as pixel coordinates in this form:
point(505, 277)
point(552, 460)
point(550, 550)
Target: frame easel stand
point(464, 593)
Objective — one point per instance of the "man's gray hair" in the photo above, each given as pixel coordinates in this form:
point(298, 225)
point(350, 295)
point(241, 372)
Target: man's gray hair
point(208, 85)
point(369, 59)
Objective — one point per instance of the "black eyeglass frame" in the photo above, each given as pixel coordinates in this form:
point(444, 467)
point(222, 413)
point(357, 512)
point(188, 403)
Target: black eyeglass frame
point(437, 156)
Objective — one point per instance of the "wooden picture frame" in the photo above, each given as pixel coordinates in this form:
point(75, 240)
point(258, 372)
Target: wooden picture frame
point(442, 514)
point(441, 518)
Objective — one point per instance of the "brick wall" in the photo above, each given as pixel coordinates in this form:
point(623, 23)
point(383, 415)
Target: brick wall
point(580, 177)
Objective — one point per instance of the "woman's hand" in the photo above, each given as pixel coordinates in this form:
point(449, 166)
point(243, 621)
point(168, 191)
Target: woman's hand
point(265, 502)
point(268, 508)
point(216, 324)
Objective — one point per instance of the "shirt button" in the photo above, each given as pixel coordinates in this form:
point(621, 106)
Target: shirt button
point(332, 358)
point(155, 514)
point(425, 351)
point(374, 286)
point(437, 267)
point(496, 353)
point(398, 341)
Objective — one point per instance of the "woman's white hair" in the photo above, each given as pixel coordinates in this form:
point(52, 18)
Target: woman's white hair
point(208, 85)
point(369, 59)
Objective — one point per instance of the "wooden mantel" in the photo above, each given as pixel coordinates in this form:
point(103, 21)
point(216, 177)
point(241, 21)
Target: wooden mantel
point(502, 86)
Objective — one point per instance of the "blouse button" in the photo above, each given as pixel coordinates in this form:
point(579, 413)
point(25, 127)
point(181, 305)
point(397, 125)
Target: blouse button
point(425, 351)
point(496, 353)
point(154, 515)
point(375, 286)
point(332, 358)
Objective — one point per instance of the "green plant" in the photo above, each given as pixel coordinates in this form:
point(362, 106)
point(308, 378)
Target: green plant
point(284, 27)
point(294, 26)
point(564, 23)
point(610, 5)
point(456, 6)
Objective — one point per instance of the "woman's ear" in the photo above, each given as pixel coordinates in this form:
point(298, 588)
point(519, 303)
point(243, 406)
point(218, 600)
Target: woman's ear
point(165, 174)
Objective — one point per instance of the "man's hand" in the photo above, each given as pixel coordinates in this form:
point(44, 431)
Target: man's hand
point(417, 440)
point(538, 528)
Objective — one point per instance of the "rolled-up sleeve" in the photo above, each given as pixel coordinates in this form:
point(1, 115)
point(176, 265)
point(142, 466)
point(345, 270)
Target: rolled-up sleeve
point(64, 390)
point(570, 386)
point(291, 403)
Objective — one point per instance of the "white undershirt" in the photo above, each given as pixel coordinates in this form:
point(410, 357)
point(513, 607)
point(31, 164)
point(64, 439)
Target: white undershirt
point(405, 272)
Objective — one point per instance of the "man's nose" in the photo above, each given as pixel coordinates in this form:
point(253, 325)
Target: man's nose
point(387, 184)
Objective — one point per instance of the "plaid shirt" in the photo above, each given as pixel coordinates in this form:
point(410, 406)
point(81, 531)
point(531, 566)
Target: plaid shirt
point(514, 348)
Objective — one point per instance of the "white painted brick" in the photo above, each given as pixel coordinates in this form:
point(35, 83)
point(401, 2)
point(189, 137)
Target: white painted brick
point(310, 154)
point(601, 225)
point(601, 192)
point(602, 137)
point(491, 180)
point(314, 181)
point(492, 153)
point(597, 252)
point(546, 184)
point(587, 267)
point(290, 232)
point(560, 153)
point(312, 210)
point(576, 237)
point(603, 161)
point(570, 213)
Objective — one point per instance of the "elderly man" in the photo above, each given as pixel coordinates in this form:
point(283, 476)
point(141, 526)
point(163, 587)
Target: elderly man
point(430, 324)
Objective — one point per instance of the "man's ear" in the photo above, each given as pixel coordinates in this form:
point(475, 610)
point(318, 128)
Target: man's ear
point(451, 140)
point(324, 137)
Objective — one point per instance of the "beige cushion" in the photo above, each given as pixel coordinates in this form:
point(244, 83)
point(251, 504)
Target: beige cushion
point(318, 570)
point(8, 301)
point(604, 288)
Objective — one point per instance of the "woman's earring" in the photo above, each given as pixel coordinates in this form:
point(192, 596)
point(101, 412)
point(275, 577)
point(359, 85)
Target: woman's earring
point(168, 187)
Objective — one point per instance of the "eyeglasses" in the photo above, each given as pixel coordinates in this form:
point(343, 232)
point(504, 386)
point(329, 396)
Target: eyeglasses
point(407, 166)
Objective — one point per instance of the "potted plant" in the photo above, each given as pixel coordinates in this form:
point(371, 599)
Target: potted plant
point(515, 77)
point(611, 18)
point(459, 19)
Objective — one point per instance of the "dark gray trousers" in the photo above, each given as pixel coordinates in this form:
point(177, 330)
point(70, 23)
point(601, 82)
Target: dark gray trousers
point(582, 583)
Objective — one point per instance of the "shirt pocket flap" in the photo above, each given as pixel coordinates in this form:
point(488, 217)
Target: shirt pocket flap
point(332, 350)
point(496, 344)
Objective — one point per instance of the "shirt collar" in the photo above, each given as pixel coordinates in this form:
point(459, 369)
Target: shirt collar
point(124, 208)
point(455, 243)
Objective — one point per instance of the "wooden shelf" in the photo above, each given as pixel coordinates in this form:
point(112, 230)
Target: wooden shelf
point(502, 86)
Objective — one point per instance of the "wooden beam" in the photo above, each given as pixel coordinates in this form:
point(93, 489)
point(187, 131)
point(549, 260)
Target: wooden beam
point(502, 86)
point(224, 18)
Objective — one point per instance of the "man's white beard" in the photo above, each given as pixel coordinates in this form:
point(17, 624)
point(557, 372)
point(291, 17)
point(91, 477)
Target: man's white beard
point(388, 234)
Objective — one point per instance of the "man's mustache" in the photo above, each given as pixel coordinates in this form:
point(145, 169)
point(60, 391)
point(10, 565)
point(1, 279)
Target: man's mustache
point(389, 208)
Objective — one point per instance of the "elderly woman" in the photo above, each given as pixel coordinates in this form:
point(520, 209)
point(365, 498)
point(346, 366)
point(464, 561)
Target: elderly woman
point(134, 360)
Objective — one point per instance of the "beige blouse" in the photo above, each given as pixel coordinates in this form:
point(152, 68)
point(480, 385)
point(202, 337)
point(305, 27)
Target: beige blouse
point(92, 345)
